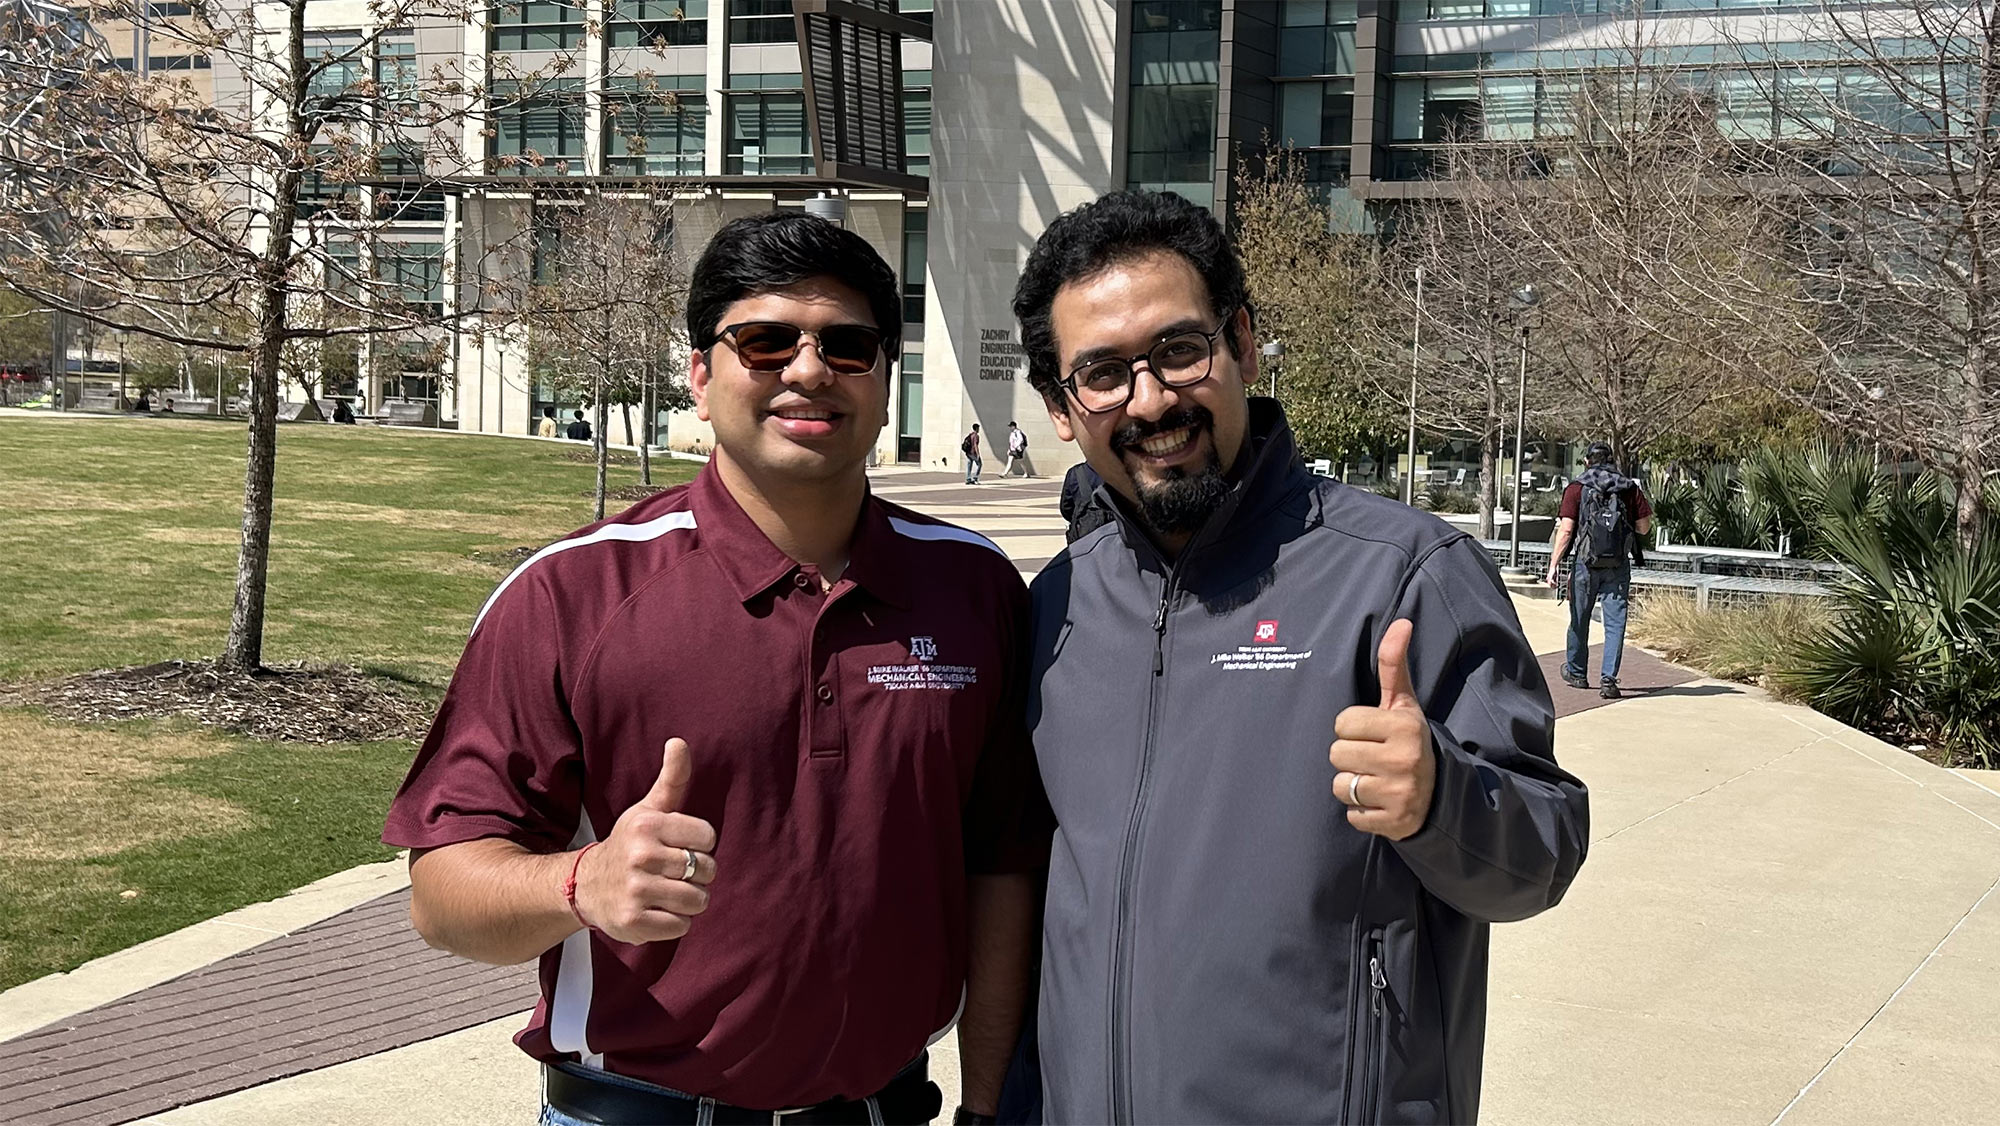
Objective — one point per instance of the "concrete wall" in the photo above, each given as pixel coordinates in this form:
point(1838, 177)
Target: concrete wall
point(1027, 121)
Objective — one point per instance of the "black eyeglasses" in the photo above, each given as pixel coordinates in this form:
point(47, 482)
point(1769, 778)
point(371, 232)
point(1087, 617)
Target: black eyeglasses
point(1182, 359)
point(769, 346)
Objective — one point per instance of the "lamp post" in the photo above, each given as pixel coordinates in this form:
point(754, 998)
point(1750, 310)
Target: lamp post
point(1416, 335)
point(1527, 299)
point(1274, 353)
point(216, 332)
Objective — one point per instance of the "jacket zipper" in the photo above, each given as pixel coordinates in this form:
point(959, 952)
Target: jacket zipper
point(1371, 1074)
point(1121, 1096)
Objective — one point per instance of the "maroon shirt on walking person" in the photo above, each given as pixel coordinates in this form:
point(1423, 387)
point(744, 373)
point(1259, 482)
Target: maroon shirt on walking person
point(855, 795)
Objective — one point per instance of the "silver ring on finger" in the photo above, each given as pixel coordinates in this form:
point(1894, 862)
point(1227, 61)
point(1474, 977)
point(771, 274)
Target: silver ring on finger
point(688, 873)
point(1354, 790)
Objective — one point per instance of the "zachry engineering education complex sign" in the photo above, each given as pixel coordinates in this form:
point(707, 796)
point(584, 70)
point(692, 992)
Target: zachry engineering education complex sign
point(999, 355)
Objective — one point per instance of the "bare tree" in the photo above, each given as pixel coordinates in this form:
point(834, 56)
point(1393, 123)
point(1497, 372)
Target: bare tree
point(602, 302)
point(1463, 319)
point(1607, 207)
point(1879, 167)
point(1318, 292)
point(134, 198)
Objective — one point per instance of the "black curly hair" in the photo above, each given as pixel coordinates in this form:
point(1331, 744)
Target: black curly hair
point(1105, 232)
point(760, 253)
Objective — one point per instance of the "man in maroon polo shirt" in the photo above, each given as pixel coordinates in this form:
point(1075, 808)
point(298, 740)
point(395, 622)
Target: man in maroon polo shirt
point(744, 773)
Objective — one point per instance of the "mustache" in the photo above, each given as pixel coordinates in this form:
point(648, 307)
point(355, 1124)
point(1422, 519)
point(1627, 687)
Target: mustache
point(1191, 417)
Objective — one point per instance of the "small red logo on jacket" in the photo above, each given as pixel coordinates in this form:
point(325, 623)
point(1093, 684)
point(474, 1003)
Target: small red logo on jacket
point(1267, 633)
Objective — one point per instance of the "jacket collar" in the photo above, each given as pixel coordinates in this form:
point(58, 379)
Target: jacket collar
point(1265, 472)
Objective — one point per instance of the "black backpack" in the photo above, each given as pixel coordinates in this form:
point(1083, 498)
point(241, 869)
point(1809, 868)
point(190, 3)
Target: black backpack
point(965, 445)
point(1604, 531)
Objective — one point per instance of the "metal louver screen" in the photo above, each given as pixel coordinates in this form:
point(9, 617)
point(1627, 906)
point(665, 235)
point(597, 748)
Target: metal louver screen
point(856, 81)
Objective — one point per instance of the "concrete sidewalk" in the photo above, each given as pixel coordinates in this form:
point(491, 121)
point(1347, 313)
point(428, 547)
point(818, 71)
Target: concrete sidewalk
point(1782, 919)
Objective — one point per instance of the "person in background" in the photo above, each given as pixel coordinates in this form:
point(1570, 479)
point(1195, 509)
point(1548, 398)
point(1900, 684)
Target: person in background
point(579, 430)
point(546, 428)
point(1603, 515)
point(343, 412)
point(1017, 450)
point(969, 446)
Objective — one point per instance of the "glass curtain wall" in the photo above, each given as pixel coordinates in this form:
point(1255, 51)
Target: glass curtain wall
point(1176, 53)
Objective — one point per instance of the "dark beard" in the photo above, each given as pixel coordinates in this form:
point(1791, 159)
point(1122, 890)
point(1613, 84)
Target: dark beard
point(1182, 503)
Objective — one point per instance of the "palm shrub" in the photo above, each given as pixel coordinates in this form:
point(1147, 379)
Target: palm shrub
point(1914, 642)
point(1714, 510)
point(1797, 488)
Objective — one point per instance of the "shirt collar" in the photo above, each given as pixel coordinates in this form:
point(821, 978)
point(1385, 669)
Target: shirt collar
point(740, 548)
point(879, 560)
point(753, 564)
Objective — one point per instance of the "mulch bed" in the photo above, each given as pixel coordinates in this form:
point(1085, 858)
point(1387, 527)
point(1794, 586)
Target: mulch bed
point(627, 492)
point(589, 457)
point(506, 557)
point(293, 702)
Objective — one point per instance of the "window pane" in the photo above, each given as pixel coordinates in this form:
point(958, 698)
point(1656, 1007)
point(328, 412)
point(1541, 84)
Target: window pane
point(1299, 114)
point(1301, 54)
point(1406, 121)
point(1340, 50)
point(1745, 110)
point(1302, 13)
point(1336, 125)
point(1509, 108)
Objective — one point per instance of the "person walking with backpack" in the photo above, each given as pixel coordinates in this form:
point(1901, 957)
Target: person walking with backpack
point(1017, 450)
point(1605, 513)
point(970, 448)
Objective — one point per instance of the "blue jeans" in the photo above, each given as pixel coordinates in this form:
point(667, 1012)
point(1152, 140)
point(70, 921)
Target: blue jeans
point(1587, 586)
point(972, 467)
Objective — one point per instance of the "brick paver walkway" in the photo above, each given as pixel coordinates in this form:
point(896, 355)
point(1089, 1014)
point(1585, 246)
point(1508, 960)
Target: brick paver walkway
point(358, 983)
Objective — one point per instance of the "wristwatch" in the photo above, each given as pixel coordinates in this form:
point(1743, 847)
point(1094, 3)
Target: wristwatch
point(964, 1117)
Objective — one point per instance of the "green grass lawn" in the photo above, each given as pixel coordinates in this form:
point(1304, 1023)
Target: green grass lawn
point(121, 536)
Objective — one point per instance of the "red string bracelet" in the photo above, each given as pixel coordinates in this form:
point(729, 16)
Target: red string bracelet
point(569, 885)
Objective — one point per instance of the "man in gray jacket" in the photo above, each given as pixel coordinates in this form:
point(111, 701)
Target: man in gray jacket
point(1297, 747)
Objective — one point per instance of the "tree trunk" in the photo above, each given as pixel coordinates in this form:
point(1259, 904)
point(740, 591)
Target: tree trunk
point(1969, 466)
point(244, 649)
point(1489, 462)
point(603, 451)
point(625, 411)
point(648, 414)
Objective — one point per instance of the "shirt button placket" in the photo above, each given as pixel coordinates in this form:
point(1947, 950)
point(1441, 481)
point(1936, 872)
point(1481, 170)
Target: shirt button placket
point(823, 720)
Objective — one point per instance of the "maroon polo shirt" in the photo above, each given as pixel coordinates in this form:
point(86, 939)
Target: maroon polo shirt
point(858, 750)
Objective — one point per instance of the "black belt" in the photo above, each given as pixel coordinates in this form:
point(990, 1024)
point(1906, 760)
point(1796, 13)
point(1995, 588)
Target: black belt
point(910, 1098)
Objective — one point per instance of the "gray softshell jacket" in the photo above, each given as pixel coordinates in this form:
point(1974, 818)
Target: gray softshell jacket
point(1220, 945)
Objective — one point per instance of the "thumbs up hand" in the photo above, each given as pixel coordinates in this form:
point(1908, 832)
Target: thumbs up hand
point(1381, 756)
point(637, 886)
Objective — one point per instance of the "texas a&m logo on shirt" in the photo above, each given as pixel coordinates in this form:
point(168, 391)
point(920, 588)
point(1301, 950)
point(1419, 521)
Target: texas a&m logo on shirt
point(925, 672)
point(1267, 633)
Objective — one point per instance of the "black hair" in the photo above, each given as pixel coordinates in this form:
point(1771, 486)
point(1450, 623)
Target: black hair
point(579, 414)
point(1108, 231)
point(760, 253)
point(548, 412)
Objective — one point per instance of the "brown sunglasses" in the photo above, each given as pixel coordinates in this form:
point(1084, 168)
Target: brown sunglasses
point(770, 346)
